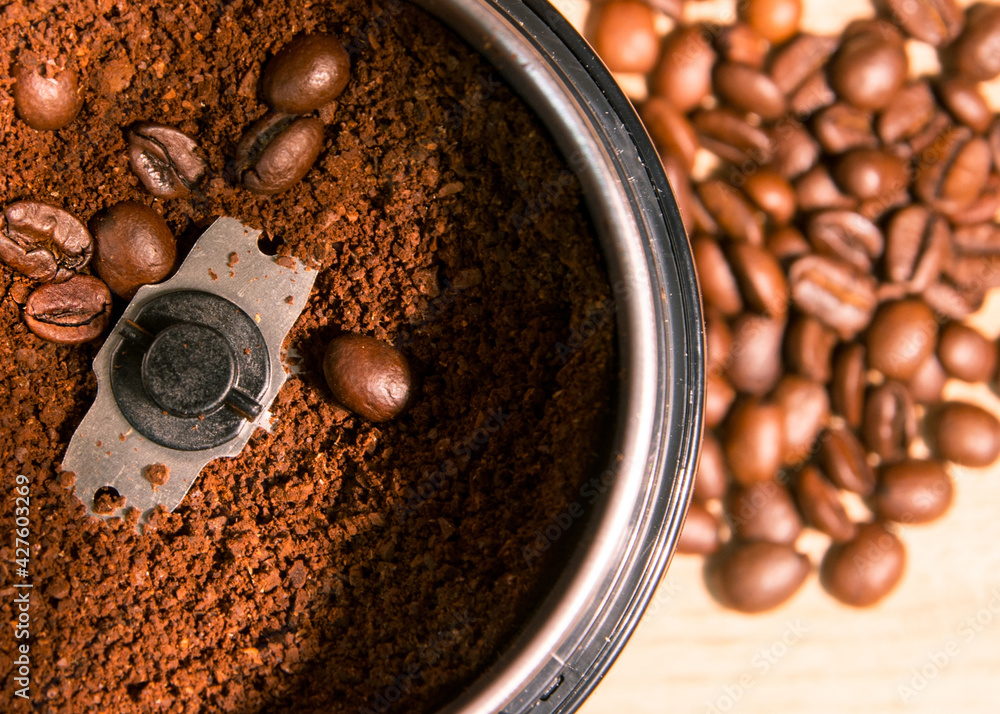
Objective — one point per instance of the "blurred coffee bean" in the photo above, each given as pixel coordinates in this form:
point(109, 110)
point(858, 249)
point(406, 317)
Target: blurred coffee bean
point(756, 364)
point(670, 130)
point(973, 273)
point(756, 576)
point(306, 74)
point(133, 246)
point(865, 569)
point(927, 384)
point(730, 136)
point(806, 406)
point(946, 299)
point(930, 136)
point(978, 239)
point(763, 511)
point(719, 396)
point(967, 354)
point(754, 441)
point(994, 141)
point(700, 535)
point(871, 173)
point(748, 89)
point(834, 292)
point(966, 434)
point(46, 99)
point(680, 182)
point(809, 348)
point(918, 243)
point(986, 206)
point(367, 376)
point(719, 288)
point(710, 482)
point(953, 171)
point(966, 103)
point(277, 152)
point(913, 491)
point(815, 190)
point(841, 127)
point(900, 338)
point(168, 162)
point(848, 385)
point(776, 20)
point(976, 52)
point(821, 506)
point(772, 193)
point(683, 75)
point(70, 312)
point(909, 113)
point(843, 459)
point(43, 242)
point(846, 235)
point(814, 94)
point(718, 341)
point(734, 214)
point(625, 36)
point(742, 44)
point(890, 422)
point(795, 151)
point(936, 22)
point(787, 244)
point(760, 277)
point(801, 57)
point(870, 66)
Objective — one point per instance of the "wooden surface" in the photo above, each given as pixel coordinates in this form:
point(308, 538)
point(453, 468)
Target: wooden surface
point(932, 647)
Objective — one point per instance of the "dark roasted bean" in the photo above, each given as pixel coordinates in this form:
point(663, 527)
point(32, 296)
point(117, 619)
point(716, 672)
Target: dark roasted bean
point(278, 152)
point(731, 137)
point(966, 434)
point(870, 66)
point(368, 377)
point(718, 284)
point(847, 389)
point(900, 338)
point(927, 384)
point(671, 131)
point(756, 576)
point(787, 243)
point(821, 506)
point(890, 422)
point(814, 94)
point(755, 367)
point(133, 246)
point(966, 103)
point(841, 127)
point(834, 292)
point(815, 190)
point(910, 112)
point(848, 236)
point(809, 348)
point(936, 22)
point(46, 99)
point(976, 52)
point(800, 58)
point(772, 193)
point(795, 151)
point(168, 162)
point(763, 511)
point(70, 312)
point(753, 441)
point(918, 244)
point(732, 211)
point(865, 569)
point(913, 491)
point(43, 242)
point(308, 73)
point(806, 406)
point(684, 73)
point(871, 173)
point(760, 277)
point(843, 459)
point(954, 170)
point(748, 89)
point(966, 353)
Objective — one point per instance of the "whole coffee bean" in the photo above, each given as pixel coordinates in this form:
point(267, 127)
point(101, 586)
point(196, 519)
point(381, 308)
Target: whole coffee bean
point(930, 136)
point(900, 338)
point(814, 94)
point(367, 376)
point(978, 239)
point(680, 182)
point(43, 242)
point(841, 127)
point(278, 152)
point(684, 74)
point(865, 569)
point(815, 190)
point(966, 434)
point(749, 89)
point(918, 243)
point(46, 99)
point(984, 209)
point(966, 354)
point(821, 506)
point(800, 58)
point(909, 113)
point(846, 235)
point(713, 474)
point(700, 534)
point(763, 511)
point(753, 441)
point(994, 140)
point(728, 135)
point(71, 312)
point(936, 22)
point(670, 130)
point(913, 491)
point(776, 20)
point(734, 214)
point(927, 385)
point(871, 173)
point(809, 348)
point(870, 67)
point(742, 44)
point(719, 396)
point(954, 170)
point(772, 193)
point(973, 273)
point(133, 246)
point(308, 73)
point(847, 389)
point(795, 151)
point(890, 422)
point(976, 52)
point(966, 103)
point(718, 341)
point(806, 406)
point(755, 365)
point(168, 162)
point(787, 244)
point(760, 277)
point(756, 576)
point(947, 300)
point(843, 459)
point(718, 284)
point(834, 292)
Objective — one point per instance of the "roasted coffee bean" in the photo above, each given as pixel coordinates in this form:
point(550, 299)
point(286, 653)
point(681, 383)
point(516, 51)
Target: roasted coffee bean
point(936, 22)
point(870, 66)
point(756, 576)
point(43, 242)
point(730, 136)
point(978, 239)
point(71, 312)
point(966, 103)
point(927, 385)
point(800, 58)
point(973, 273)
point(794, 150)
point(718, 341)
point(976, 52)
point(763, 511)
point(966, 434)
point(806, 406)
point(734, 214)
point(670, 130)
point(749, 90)
point(841, 127)
point(753, 441)
point(776, 20)
point(755, 366)
point(679, 178)
point(305, 75)
point(847, 389)
point(719, 396)
point(865, 569)
point(918, 244)
point(821, 506)
point(814, 94)
point(278, 152)
point(900, 338)
point(719, 288)
point(954, 170)
point(846, 235)
point(367, 376)
point(967, 354)
point(843, 459)
point(809, 348)
point(710, 482)
point(673, 9)
point(46, 99)
point(684, 74)
point(772, 193)
point(890, 422)
point(787, 244)
point(133, 246)
point(168, 162)
point(760, 277)
point(871, 173)
point(834, 292)
point(742, 44)
point(913, 491)
point(700, 534)
point(947, 300)
point(930, 136)
point(909, 113)
point(994, 141)
point(984, 209)
point(815, 190)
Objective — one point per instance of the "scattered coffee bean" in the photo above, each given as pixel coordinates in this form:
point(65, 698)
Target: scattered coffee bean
point(794, 150)
point(809, 348)
point(910, 112)
point(756, 364)
point(841, 127)
point(776, 20)
point(277, 152)
point(46, 99)
point(718, 284)
point(710, 482)
point(843, 459)
point(719, 396)
point(133, 246)
point(732, 211)
point(872, 173)
point(772, 193)
point(43, 242)
point(753, 441)
point(761, 279)
point(718, 341)
point(966, 434)
point(966, 103)
point(70, 313)
point(308, 73)
point(870, 66)
point(787, 244)
point(913, 491)
point(966, 354)
point(820, 503)
point(728, 135)
point(800, 58)
point(927, 385)
point(976, 52)
point(367, 376)
point(756, 576)
point(865, 569)
point(742, 44)
point(848, 236)
point(700, 534)
point(834, 292)
point(816, 190)
point(806, 407)
point(936, 22)
point(847, 389)
point(670, 130)
point(168, 162)
point(900, 338)
point(749, 89)
point(953, 171)
point(890, 422)
point(763, 511)
point(684, 74)
point(814, 94)
point(918, 243)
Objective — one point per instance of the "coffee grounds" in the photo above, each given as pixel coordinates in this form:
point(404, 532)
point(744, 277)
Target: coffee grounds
point(334, 565)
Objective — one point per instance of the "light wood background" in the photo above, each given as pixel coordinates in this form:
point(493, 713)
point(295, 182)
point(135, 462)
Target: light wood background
point(931, 647)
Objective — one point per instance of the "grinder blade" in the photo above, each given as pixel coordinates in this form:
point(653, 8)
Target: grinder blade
point(189, 371)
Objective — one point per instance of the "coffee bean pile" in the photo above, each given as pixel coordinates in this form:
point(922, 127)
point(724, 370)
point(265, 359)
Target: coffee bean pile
point(848, 228)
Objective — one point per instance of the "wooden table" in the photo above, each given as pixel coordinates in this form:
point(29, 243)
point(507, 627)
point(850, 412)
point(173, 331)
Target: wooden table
point(932, 647)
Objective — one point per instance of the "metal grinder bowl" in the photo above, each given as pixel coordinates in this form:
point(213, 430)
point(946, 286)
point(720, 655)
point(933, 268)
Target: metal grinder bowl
point(624, 546)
